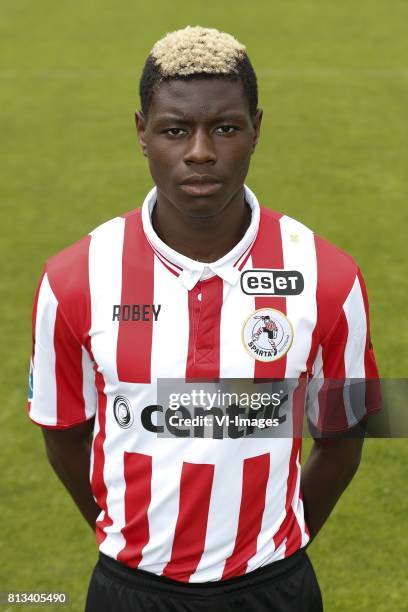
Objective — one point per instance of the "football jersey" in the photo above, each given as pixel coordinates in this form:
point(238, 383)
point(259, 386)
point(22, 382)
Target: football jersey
point(120, 310)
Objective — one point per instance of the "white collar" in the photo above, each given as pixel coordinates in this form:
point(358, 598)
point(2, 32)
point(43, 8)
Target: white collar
point(190, 271)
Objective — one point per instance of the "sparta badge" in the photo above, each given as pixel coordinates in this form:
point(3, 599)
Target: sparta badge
point(267, 334)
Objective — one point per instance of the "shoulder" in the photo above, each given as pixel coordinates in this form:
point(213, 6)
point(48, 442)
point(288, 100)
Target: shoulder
point(67, 268)
point(68, 271)
point(327, 254)
point(336, 269)
point(338, 281)
point(64, 268)
point(330, 269)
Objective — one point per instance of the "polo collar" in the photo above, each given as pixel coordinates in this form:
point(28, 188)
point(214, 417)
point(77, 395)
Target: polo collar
point(190, 271)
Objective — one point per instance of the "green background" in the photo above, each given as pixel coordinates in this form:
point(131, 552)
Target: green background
point(333, 79)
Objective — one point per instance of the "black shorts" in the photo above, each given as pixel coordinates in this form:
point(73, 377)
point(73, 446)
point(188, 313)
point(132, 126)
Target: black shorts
point(289, 585)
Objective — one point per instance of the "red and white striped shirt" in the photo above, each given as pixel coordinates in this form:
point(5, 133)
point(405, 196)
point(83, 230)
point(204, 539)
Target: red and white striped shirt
point(191, 509)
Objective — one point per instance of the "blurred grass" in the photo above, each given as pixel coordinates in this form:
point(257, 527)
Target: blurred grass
point(333, 81)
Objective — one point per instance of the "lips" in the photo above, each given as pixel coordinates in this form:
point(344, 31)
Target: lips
point(199, 179)
point(200, 185)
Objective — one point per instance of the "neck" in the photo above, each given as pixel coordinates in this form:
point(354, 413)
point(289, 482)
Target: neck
point(205, 239)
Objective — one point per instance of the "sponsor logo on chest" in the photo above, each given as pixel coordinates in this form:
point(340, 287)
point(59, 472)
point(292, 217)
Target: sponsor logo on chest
point(272, 282)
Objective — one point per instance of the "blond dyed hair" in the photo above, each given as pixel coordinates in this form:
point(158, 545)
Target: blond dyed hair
point(199, 52)
point(195, 49)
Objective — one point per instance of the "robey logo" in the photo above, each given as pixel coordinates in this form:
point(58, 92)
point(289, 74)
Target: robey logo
point(135, 312)
point(272, 282)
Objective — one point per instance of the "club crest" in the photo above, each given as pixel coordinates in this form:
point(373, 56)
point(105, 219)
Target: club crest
point(267, 334)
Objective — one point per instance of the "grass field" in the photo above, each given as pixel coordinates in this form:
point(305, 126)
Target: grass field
point(333, 80)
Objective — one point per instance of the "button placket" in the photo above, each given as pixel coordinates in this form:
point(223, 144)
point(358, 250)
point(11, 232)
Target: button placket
point(205, 337)
point(196, 310)
point(204, 352)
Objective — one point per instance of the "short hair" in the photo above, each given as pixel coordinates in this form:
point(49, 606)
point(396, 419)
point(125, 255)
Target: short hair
point(197, 53)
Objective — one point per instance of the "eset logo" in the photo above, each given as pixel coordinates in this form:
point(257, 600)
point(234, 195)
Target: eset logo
point(272, 282)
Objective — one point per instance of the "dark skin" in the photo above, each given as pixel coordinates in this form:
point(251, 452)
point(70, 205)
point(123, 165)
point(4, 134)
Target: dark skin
point(203, 127)
point(68, 451)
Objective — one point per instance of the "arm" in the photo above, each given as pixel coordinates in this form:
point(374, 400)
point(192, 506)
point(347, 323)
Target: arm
point(329, 469)
point(68, 451)
point(344, 362)
point(62, 390)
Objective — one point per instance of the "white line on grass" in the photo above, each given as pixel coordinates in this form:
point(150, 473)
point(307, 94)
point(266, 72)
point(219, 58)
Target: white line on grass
point(264, 72)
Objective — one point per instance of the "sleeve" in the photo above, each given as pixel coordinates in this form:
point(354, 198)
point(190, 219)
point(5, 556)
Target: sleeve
point(61, 382)
point(345, 387)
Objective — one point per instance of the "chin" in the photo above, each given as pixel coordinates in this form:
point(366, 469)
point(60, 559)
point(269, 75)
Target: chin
point(201, 212)
point(197, 206)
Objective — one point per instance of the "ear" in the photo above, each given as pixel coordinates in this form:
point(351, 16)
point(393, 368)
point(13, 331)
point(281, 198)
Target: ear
point(140, 121)
point(256, 123)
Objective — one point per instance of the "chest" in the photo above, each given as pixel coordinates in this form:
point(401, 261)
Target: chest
point(215, 330)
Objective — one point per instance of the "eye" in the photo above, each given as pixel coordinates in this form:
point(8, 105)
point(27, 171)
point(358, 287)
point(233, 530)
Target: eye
point(226, 129)
point(174, 131)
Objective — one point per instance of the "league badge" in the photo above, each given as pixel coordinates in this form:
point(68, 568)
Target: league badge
point(30, 381)
point(267, 334)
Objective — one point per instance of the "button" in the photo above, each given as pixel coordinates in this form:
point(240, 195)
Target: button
point(199, 297)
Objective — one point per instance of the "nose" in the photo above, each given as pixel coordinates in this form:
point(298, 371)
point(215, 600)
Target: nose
point(200, 148)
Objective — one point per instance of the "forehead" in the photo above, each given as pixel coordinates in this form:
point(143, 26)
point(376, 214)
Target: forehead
point(197, 98)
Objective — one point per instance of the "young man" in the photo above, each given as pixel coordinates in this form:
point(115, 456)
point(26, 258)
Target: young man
point(204, 284)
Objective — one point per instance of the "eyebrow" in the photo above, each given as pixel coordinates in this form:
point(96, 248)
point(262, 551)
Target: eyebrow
point(229, 116)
